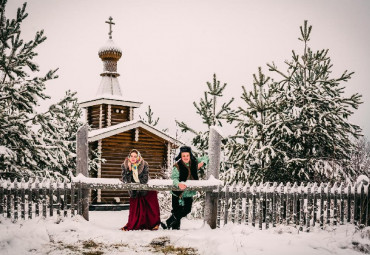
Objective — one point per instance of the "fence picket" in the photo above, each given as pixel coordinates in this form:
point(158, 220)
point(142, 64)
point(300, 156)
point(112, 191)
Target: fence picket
point(218, 207)
point(309, 207)
point(240, 204)
point(341, 203)
point(23, 200)
point(2, 197)
point(335, 206)
point(15, 200)
point(226, 204)
point(274, 203)
point(268, 204)
point(51, 201)
point(367, 205)
point(314, 199)
point(65, 199)
point(295, 204)
point(260, 203)
point(287, 204)
point(44, 199)
point(322, 194)
point(281, 204)
point(58, 203)
point(73, 199)
point(328, 201)
point(349, 202)
point(29, 200)
point(361, 204)
point(37, 198)
point(247, 203)
point(79, 198)
point(301, 212)
point(254, 191)
point(233, 204)
point(355, 206)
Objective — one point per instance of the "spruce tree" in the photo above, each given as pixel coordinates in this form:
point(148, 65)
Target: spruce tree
point(250, 151)
point(295, 128)
point(211, 114)
point(58, 130)
point(314, 135)
point(360, 157)
point(19, 95)
point(32, 144)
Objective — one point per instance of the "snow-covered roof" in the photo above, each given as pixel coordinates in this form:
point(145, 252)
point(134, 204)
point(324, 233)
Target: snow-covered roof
point(110, 99)
point(102, 133)
point(109, 46)
point(109, 85)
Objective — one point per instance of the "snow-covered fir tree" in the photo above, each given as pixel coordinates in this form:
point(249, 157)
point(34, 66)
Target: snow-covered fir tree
point(59, 129)
point(295, 128)
point(32, 143)
point(22, 147)
point(360, 157)
point(313, 133)
point(250, 151)
point(211, 113)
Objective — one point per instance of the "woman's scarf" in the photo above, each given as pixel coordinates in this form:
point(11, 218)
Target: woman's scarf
point(135, 166)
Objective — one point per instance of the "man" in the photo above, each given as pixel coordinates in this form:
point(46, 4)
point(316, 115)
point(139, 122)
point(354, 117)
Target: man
point(186, 168)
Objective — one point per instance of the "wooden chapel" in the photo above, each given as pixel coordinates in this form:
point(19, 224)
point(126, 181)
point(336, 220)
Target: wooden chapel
point(115, 131)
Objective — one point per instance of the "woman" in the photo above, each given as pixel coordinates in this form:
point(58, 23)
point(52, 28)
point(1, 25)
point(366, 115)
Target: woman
point(144, 207)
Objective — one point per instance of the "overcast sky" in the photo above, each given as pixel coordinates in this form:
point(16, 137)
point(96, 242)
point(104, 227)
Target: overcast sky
point(171, 48)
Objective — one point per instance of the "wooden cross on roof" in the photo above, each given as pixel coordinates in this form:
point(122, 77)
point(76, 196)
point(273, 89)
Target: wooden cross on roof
point(110, 27)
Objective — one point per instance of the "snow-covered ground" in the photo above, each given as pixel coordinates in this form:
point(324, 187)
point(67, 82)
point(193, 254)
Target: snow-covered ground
point(101, 235)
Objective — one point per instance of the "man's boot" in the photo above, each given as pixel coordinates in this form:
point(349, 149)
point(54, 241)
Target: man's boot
point(176, 224)
point(170, 221)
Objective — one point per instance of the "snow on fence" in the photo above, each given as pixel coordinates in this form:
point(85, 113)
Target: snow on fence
point(303, 206)
point(27, 200)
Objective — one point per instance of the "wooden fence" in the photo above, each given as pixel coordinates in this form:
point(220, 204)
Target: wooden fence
point(303, 206)
point(26, 200)
point(263, 205)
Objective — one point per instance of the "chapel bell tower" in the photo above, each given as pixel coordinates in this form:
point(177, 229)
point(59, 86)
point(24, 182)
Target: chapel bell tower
point(109, 107)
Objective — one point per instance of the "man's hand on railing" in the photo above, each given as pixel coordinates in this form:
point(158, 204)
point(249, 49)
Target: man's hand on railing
point(182, 186)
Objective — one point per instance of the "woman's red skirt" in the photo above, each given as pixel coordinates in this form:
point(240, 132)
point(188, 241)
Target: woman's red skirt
point(144, 212)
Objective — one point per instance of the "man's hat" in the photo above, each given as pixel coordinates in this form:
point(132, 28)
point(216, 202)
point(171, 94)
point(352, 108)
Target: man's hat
point(185, 149)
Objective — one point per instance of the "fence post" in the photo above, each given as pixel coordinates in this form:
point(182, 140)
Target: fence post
point(210, 210)
point(82, 167)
